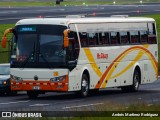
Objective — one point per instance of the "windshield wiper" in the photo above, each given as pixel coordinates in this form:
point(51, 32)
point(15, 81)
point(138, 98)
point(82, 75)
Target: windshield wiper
point(42, 56)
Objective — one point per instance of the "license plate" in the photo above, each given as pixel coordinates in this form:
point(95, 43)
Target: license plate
point(36, 87)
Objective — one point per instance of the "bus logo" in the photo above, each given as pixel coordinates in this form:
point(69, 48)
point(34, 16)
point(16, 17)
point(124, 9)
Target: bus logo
point(102, 56)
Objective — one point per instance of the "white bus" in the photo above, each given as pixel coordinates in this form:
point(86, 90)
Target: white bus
point(82, 54)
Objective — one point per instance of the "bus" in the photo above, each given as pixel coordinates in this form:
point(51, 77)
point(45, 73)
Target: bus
point(82, 54)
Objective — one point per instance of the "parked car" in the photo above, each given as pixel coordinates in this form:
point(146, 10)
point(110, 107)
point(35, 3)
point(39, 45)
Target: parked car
point(5, 79)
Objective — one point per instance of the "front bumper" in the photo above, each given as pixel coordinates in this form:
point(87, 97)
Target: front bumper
point(27, 85)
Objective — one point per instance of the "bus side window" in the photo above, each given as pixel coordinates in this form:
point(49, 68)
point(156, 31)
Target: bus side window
point(73, 48)
point(114, 38)
point(83, 39)
point(152, 39)
point(124, 37)
point(104, 38)
point(134, 37)
point(92, 39)
point(143, 36)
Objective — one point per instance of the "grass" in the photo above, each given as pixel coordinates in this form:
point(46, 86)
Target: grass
point(73, 2)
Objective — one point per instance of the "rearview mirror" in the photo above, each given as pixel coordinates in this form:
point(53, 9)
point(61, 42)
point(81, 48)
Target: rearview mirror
point(4, 42)
point(4, 38)
point(66, 39)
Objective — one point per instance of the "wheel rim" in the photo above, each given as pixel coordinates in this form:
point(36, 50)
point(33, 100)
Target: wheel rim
point(136, 80)
point(84, 87)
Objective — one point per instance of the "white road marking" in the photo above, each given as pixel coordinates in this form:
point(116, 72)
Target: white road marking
point(67, 102)
point(55, 103)
point(38, 105)
point(83, 105)
point(14, 102)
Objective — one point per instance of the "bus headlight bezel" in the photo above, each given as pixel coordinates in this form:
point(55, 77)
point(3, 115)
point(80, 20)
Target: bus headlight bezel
point(58, 79)
point(17, 79)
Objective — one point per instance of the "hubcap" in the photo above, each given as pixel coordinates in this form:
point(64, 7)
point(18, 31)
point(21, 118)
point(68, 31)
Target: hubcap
point(84, 86)
point(136, 80)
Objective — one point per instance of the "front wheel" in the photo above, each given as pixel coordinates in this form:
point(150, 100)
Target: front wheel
point(84, 86)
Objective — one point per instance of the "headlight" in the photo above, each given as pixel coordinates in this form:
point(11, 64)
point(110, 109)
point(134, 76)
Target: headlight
point(18, 79)
point(4, 82)
point(58, 79)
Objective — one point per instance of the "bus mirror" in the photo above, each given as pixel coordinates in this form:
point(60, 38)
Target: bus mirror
point(4, 38)
point(4, 41)
point(66, 39)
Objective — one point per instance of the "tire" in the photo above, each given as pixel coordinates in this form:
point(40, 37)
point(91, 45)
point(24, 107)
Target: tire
point(136, 81)
point(32, 94)
point(84, 86)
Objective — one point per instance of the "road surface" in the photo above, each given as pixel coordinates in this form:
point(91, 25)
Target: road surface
point(148, 94)
point(13, 14)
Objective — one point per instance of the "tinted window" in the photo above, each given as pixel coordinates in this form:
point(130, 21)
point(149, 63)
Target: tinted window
point(144, 36)
point(114, 38)
point(152, 39)
point(83, 39)
point(92, 39)
point(103, 38)
point(134, 37)
point(124, 37)
point(73, 49)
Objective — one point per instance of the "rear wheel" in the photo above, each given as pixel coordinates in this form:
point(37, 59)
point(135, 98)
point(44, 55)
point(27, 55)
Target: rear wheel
point(136, 81)
point(32, 94)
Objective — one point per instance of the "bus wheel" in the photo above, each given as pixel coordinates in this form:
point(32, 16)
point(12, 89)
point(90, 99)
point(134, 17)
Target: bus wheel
point(136, 81)
point(135, 86)
point(32, 94)
point(84, 86)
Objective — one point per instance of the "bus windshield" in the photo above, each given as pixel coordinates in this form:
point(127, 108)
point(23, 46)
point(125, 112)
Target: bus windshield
point(38, 46)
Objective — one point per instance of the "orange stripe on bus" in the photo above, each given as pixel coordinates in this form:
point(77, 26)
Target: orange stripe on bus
point(154, 63)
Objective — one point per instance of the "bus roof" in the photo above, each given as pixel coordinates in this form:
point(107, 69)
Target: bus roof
point(66, 21)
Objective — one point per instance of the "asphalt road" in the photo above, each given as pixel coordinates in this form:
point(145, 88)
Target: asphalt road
point(13, 14)
point(148, 94)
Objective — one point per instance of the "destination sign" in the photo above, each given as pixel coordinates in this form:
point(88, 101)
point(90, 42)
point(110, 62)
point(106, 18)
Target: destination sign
point(27, 29)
